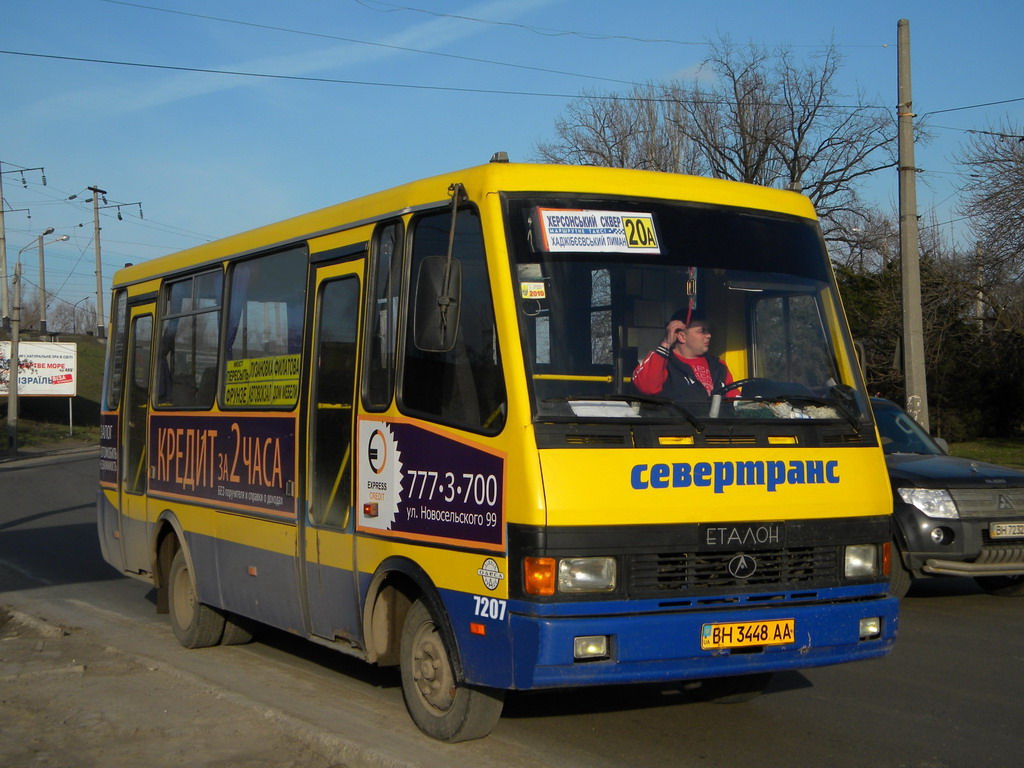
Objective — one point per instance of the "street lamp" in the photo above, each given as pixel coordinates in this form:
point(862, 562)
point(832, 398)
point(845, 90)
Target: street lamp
point(74, 315)
point(42, 274)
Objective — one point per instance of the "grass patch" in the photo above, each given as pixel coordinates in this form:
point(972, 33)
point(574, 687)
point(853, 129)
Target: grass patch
point(44, 420)
point(997, 450)
point(36, 433)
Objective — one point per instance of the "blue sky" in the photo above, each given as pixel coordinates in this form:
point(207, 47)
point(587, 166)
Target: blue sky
point(208, 155)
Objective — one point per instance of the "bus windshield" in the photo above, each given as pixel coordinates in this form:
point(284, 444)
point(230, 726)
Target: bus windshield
point(598, 280)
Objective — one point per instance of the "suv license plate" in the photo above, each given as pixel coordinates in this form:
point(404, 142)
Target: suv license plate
point(1006, 530)
point(740, 634)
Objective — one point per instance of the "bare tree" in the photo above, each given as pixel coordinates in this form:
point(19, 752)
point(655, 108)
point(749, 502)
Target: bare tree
point(992, 163)
point(768, 119)
point(631, 131)
point(993, 172)
point(64, 317)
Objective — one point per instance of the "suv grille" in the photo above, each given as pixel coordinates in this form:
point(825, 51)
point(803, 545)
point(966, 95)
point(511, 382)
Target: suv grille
point(672, 574)
point(989, 502)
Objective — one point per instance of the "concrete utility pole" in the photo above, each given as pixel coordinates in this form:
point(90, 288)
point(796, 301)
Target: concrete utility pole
point(12, 370)
point(3, 237)
point(913, 326)
point(96, 193)
point(3, 253)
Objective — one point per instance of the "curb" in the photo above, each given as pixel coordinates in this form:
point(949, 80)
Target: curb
point(28, 454)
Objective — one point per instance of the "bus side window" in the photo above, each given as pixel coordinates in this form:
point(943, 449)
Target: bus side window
point(189, 337)
point(115, 361)
point(464, 385)
point(263, 330)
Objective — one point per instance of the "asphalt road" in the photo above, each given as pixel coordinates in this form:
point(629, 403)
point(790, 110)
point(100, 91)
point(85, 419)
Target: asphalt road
point(948, 696)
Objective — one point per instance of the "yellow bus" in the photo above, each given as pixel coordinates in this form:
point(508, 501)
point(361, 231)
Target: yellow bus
point(411, 427)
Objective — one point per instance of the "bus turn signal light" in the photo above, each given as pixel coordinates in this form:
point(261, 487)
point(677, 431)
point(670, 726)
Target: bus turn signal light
point(539, 575)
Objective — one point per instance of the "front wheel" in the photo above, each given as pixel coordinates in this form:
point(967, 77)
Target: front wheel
point(900, 579)
point(1004, 586)
point(195, 625)
point(441, 707)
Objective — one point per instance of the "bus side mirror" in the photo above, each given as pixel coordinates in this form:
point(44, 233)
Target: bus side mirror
point(438, 303)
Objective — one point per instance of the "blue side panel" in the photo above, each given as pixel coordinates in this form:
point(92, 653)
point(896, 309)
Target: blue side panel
point(107, 526)
point(665, 646)
point(333, 609)
point(223, 574)
point(486, 658)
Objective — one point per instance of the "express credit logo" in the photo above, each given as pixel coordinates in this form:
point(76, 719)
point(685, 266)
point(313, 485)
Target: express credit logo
point(724, 474)
point(377, 451)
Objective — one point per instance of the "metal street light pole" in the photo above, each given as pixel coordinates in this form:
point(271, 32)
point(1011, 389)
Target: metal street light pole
point(74, 315)
point(13, 364)
point(42, 273)
point(42, 283)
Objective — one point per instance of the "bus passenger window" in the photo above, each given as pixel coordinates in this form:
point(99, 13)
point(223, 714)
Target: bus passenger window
point(115, 361)
point(263, 334)
point(189, 336)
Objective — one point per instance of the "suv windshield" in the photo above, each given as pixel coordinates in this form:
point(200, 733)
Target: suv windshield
point(900, 433)
point(598, 280)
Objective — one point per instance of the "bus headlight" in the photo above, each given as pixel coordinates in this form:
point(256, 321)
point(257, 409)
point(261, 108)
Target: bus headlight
point(861, 561)
point(586, 574)
point(934, 502)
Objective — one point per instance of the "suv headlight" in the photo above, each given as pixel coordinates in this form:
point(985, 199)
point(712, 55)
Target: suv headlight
point(934, 502)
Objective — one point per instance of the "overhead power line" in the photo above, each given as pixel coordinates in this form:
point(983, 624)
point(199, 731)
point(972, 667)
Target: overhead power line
point(323, 35)
point(973, 106)
point(411, 86)
point(550, 31)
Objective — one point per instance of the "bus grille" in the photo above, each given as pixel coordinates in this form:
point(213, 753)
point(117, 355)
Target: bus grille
point(680, 573)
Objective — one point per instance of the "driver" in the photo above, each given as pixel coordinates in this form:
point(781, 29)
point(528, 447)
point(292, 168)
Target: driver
point(680, 368)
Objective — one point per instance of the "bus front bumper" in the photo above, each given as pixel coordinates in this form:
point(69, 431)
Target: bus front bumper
point(666, 646)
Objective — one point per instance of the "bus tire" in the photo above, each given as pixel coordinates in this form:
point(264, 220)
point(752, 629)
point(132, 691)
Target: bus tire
point(900, 579)
point(441, 707)
point(194, 624)
point(237, 630)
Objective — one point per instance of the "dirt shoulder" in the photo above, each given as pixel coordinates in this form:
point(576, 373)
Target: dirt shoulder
point(69, 699)
point(66, 699)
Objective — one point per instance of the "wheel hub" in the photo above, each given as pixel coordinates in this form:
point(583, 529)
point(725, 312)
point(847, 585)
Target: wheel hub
point(431, 670)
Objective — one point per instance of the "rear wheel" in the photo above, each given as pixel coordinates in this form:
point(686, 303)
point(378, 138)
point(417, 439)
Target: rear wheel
point(1004, 586)
point(440, 706)
point(237, 630)
point(195, 625)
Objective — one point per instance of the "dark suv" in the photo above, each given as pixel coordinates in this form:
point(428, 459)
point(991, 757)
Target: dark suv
point(952, 517)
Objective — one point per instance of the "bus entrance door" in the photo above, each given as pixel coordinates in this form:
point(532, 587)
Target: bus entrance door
point(328, 539)
point(134, 458)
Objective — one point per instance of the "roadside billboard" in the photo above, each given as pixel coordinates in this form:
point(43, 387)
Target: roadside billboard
point(45, 368)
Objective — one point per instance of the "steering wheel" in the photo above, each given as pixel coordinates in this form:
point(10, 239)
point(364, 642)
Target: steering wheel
point(721, 390)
